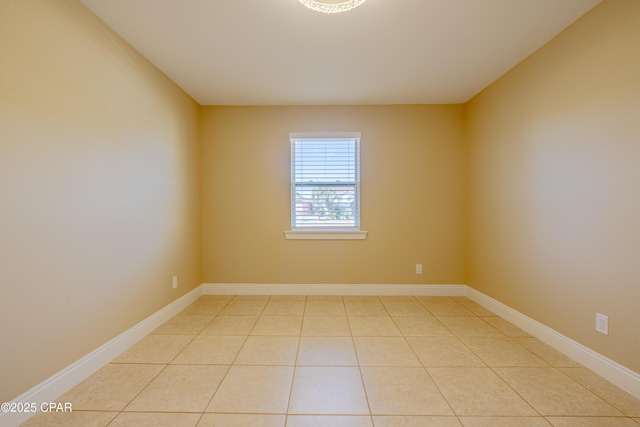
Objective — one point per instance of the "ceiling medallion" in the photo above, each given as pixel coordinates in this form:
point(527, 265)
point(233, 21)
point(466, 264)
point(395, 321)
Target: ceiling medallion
point(331, 6)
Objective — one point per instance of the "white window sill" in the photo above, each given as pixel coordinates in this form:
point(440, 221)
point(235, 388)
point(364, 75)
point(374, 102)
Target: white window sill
point(325, 235)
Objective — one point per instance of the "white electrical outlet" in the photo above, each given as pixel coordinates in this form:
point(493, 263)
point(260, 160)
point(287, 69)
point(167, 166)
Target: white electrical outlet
point(418, 268)
point(602, 323)
point(175, 282)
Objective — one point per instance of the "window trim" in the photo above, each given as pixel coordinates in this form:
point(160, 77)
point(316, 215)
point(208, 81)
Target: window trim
point(325, 233)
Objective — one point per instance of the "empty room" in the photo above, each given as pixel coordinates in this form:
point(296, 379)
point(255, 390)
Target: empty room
point(320, 213)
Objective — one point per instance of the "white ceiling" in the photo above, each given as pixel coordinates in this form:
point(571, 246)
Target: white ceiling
point(278, 52)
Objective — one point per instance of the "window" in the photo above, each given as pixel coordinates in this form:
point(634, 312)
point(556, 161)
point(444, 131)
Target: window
point(325, 186)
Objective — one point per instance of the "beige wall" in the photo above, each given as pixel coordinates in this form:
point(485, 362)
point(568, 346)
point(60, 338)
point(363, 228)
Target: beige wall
point(555, 183)
point(411, 196)
point(99, 189)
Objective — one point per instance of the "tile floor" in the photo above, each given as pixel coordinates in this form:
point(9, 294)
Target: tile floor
point(314, 361)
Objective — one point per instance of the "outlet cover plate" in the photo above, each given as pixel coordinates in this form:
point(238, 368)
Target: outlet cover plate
point(602, 323)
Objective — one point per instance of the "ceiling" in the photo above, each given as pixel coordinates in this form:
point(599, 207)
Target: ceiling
point(278, 52)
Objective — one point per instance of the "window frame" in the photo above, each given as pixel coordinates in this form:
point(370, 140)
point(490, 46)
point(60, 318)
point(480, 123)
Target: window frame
point(350, 232)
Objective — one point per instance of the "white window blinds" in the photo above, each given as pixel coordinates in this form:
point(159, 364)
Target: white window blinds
point(325, 181)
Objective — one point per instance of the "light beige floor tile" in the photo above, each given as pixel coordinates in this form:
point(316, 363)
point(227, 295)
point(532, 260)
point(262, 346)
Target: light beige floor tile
point(278, 325)
point(325, 390)
point(629, 405)
point(253, 389)
point(443, 351)
point(242, 420)
point(479, 392)
point(591, 422)
point(329, 421)
point(445, 308)
point(211, 350)
point(547, 353)
point(218, 297)
point(403, 391)
point(507, 328)
point(553, 393)
point(324, 298)
point(502, 351)
point(179, 388)
point(393, 298)
point(268, 350)
point(385, 351)
point(504, 422)
point(373, 326)
point(244, 307)
point(365, 308)
point(324, 308)
point(361, 298)
point(205, 306)
point(284, 308)
point(154, 419)
point(477, 309)
point(402, 308)
point(252, 298)
point(326, 351)
point(155, 349)
point(70, 419)
point(288, 298)
point(231, 325)
point(335, 326)
point(423, 326)
point(111, 388)
point(184, 324)
point(415, 421)
point(438, 298)
point(470, 327)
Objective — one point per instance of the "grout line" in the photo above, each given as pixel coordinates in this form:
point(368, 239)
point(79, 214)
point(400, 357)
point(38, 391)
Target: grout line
point(355, 351)
point(145, 387)
point(228, 366)
point(295, 363)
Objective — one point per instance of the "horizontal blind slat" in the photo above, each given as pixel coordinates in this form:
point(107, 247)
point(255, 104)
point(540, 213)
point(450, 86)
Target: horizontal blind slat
point(325, 182)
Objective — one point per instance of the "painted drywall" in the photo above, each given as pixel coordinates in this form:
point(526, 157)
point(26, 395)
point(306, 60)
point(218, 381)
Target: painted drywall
point(411, 196)
point(554, 173)
point(99, 189)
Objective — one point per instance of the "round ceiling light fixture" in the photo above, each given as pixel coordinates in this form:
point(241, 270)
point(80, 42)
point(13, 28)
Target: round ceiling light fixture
point(331, 6)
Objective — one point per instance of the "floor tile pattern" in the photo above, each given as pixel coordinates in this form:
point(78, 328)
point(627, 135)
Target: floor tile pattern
point(333, 361)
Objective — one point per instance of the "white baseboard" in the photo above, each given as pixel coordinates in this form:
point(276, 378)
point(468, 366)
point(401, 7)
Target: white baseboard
point(64, 380)
point(613, 372)
point(320, 289)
